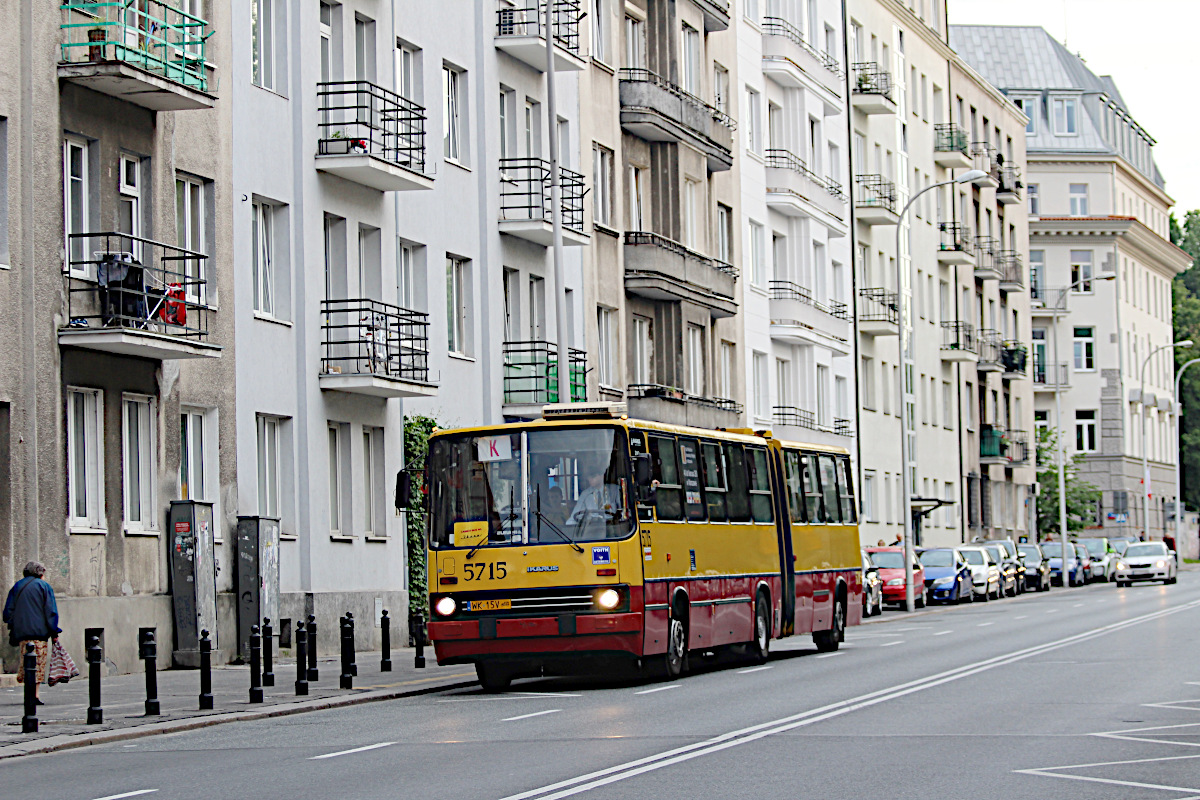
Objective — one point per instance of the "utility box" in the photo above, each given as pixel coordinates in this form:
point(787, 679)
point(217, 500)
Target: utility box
point(193, 578)
point(257, 576)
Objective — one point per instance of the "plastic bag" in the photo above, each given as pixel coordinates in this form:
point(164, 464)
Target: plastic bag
point(62, 667)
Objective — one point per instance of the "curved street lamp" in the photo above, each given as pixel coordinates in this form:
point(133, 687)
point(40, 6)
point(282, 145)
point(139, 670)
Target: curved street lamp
point(1145, 451)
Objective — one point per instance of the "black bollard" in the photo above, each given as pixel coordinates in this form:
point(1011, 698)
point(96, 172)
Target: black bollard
point(29, 722)
point(206, 697)
point(346, 680)
point(151, 658)
point(419, 639)
point(95, 714)
point(313, 674)
point(385, 625)
point(353, 665)
point(301, 659)
point(256, 692)
point(268, 678)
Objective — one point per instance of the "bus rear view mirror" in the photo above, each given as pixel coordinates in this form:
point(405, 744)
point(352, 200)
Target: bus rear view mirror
point(403, 490)
point(642, 471)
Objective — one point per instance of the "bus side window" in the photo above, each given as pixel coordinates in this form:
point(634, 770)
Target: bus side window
point(759, 480)
point(689, 469)
point(812, 489)
point(669, 502)
point(829, 489)
point(846, 487)
point(795, 493)
point(714, 480)
point(738, 497)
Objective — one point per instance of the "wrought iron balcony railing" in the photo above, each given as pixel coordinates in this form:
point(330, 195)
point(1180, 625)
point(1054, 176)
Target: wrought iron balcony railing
point(1010, 178)
point(786, 159)
point(525, 192)
point(360, 117)
point(370, 337)
point(1013, 267)
point(987, 344)
point(870, 78)
point(786, 290)
point(776, 26)
point(1013, 356)
point(949, 138)
point(531, 373)
point(955, 236)
point(529, 17)
point(639, 75)
point(878, 305)
point(959, 336)
point(657, 240)
point(650, 390)
point(803, 418)
point(875, 191)
point(1050, 374)
point(1012, 445)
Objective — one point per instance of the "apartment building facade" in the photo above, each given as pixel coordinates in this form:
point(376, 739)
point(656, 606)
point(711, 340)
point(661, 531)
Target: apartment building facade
point(117, 250)
point(1097, 204)
point(920, 117)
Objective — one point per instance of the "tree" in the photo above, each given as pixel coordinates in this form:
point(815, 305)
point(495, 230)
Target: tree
point(417, 430)
point(1186, 318)
point(1082, 497)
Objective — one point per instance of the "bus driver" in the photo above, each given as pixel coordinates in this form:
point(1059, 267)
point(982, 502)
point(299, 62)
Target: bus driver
point(598, 499)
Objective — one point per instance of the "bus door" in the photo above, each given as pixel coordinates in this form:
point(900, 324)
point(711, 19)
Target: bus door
point(799, 536)
point(783, 527)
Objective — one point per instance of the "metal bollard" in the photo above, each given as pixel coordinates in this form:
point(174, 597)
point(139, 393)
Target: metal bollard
point(301, 659)
point(152, 709)
point(346, 680)
point(256, 692)
point(29, 722)
point(268, 677)
point(419, 639)
point(385, 625)
point(95, 714)
point(353, 665)
point(206, 696)
point(313, 674)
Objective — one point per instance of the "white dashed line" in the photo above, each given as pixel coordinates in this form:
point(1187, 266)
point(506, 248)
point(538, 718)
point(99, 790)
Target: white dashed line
point(658, 689)
point(829, 655)
point(534, 714)
point(984, 624)
point(128, 794)
point(347, 752)
point(942, 633)
point(889, 644)
point(1023, 616)
point(1051, 610)
point(753, 669)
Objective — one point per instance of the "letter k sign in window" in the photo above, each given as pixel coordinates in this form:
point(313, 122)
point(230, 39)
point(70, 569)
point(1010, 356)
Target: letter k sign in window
point(494, 448)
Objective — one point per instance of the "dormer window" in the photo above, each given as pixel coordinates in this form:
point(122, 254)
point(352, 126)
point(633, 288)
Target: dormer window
point(1066, 116)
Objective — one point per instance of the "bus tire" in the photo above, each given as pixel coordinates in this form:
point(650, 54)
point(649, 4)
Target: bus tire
point(675, 659)
point(828, 641)
point(493, 677)
point(760, 647)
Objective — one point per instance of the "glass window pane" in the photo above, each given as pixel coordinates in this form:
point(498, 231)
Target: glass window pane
point(738, 498)
point(689, 468)
point(829, 489)
point(669, 496)
point(759, 480)
point(714, 481)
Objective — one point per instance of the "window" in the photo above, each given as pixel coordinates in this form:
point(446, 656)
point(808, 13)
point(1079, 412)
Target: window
point(721, 88)
point(85, 457)
point(190, 235)
point(138, 464)
point(665, 469)
point(758, 272)
point(129, 200)
point(762, 407)
point(335, 478)
point(637, 198)
point(326, 33)
point(1079, 199)
point(536, 309)
point(635, 43)
point(533, 129)
point(1081, 271)
point(1064, 116)
point(262, 238)
point(1085, 431)
point(1028, 106)
point(599, 30)
point(262, 42)
point(407, 82)
point(195, 476)
point(724, 233)
point(606, 358)
point(694, 378)
point(268, 466)
point(4, 254)
point(725, 371)
point(712, 464)
point(690, 61)
point(457, 305)
point(947, 405)
point(753, 121)
point(691, 225)
point(602, 183)
point(812, 489)
point(374, 522)
point(822, 391)
point(452, 136)
point(506, 143)
point(867, 378)
point(75, 205)
point(1035, 199)
point(643, 350)
point(751, 7)
point(1085, 349)
point(783, 382)
point(758, 482)
point(364, 49)
point(406, 277)
point(867, 501)
point(846, 491)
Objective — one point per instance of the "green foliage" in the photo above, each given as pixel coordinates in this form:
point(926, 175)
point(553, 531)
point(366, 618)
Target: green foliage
point(1082, 497)
point(417, 430)
point(1186, 313)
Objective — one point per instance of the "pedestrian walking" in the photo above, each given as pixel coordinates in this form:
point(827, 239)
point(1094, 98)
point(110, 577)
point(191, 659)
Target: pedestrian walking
point(32, 616)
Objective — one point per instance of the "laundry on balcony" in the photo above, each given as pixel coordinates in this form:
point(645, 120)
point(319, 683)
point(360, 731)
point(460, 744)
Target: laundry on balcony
point(133, 297)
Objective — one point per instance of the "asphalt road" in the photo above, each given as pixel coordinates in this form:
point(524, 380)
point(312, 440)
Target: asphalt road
point(1078, 693)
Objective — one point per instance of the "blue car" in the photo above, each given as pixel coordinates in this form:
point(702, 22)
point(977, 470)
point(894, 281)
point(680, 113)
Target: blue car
point(1075, 576)
point(947, 576)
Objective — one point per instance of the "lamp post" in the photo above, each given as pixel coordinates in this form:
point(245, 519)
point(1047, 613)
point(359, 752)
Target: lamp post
point(906, 367)
point(1179, 453)
point(1145, 450)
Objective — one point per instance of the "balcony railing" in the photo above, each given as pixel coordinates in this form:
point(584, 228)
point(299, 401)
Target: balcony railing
point(1010, 179)
point(150, 35)
point(1013, 268)
point(650, 390)
point(120, 282)
point(1050, 375)
point(984, 155)
point(525, 192)
point(987, 343)
point(781, 27)
point(531, 373)
point(870, 78)
point(637, 74)
point(998, 443)
point(786, 159)
point(803, 418)
point(949, 138)
point(878, 305)
point(1013, 355)
point(370, 337)
point(358, 117)
point(657, 240)
point(786, 290)
point(955, 236)
point(874, 191)
point(528, 19)
point(959, 336)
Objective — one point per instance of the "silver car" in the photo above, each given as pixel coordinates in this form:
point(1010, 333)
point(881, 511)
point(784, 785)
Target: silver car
point(1104, 559)
point(1146, 561)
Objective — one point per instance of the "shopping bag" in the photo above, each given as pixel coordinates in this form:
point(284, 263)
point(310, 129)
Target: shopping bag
point(62, 667)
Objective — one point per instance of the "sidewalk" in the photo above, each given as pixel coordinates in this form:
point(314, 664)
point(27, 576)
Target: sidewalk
point(62, 720)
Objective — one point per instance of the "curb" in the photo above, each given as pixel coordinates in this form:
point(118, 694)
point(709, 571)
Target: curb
point(70, 741)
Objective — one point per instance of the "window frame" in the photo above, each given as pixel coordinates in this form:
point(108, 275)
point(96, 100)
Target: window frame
point(269, 430)
point(606, 350)
point(602, 185)
point(713, 481)
point(262, 44)
point(191, 229)
point(656, 461)
point(1080, 202)
point(145, 408)
point(1061, 127)
point(87, 271)
point(457, 301)
point(92, 413)
point(1085, 430)
point(262, 239)
point(1088, 354)
point(452, 133)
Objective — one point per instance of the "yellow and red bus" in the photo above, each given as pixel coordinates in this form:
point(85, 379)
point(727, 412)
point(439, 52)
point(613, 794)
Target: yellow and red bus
point(584, 536)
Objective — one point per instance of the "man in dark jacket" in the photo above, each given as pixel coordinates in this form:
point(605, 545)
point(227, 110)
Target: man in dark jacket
point(32, 616)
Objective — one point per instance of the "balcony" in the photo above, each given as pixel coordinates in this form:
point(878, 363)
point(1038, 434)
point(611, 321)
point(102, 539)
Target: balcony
point(950, 146)
point(525, 210)
point(147, 53)
point(374, 348)
point(1049, 377)
point(716, 14)
point(657, 110)
point(659, 268)
point(371, 136)
point(1009, 191)
point(531, 371)
point(872, 89)
point(987, 261)
point(999, 446)
point(788, 58)
point(987, 345)
point(875, 200)
point(1043, 300)
point(1012, 271)
point(1013, 355)
point(792, 187)
point(520, 32)
point(958, 342)
point(955, 247)
point(672, 405)
point(797, 318)
point(136, 297)
point(983, 157)
point(793, 417)
point(878, 312)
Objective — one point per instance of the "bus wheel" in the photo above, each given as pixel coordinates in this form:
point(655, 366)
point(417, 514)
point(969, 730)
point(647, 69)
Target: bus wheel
point(828, 641)
point(493, 677)
point(676, 656)
point(760, 648)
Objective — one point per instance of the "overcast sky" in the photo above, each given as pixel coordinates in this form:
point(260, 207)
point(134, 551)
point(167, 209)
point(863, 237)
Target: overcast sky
point(1148, 46)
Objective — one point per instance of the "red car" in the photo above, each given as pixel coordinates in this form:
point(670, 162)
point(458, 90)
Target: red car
point(890, 561)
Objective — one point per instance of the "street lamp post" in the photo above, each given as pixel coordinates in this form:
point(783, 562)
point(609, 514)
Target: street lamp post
point(1145, 450)
point(906, 367)
point(1179, 453)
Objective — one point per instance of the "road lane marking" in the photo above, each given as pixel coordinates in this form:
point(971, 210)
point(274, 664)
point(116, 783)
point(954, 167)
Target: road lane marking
point(942, 633)
point(753, 669)
point(889, 644)
point(354, 750)
point(534, 714)
point(545, 694)
point(1077, 605)
point(630, 769)
point(829, 655)
point(1023, 616)
point(658, 689)
point(984, 624)
point(128, 794)
point(1051, 610)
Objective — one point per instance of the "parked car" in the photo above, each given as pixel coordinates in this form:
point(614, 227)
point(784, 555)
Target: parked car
point(1104, 561)
point(1037, 567)
point(872, 587)
point(1085, 564)
point(1119, 543)
point(947, 576)
point(1146, 561)
point(890, 561)
point(1012, 560)
point(1008, 572)
point(985, 572)
point(1054, 551)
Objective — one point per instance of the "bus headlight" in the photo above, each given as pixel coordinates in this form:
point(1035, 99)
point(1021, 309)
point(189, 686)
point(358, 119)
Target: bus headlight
point(609, 598)
point(446, 606)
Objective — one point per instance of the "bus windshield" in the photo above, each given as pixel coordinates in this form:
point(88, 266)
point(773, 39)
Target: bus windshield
point(529, 487)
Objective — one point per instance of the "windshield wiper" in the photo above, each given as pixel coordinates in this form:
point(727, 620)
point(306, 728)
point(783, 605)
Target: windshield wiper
point(542, 517)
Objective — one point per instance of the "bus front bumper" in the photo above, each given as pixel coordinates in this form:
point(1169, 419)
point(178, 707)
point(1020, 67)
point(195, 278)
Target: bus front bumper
point(466, 641)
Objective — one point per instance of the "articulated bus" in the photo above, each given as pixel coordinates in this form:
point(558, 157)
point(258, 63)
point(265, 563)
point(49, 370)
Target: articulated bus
point(560, 544)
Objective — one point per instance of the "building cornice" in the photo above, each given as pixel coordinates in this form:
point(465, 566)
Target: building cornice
point(1154, 251)
point(1100, 157)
